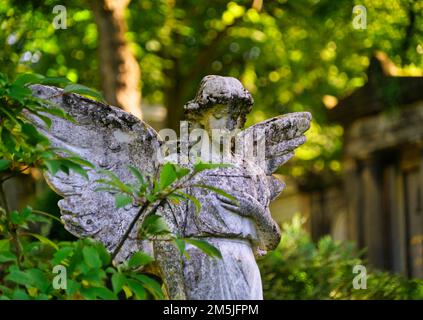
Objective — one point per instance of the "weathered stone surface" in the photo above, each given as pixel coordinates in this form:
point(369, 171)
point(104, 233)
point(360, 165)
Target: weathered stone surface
point(113, 139)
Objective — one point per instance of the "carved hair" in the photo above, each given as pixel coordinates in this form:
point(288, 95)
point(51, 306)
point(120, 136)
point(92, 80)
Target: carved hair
point(216, 90)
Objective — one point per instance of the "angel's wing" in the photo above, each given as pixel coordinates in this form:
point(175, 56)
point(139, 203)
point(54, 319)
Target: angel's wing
point(111, 139)
point(278, 138)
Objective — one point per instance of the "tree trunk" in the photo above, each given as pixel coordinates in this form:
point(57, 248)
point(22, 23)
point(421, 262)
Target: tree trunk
point(120, 72)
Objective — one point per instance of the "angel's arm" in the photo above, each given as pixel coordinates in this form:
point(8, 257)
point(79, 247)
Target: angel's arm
point(269, 234)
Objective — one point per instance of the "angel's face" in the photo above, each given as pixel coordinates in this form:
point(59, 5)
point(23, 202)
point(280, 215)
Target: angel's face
point(219, 117)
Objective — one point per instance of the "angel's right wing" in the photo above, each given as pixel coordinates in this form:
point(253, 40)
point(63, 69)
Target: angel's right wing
point(271, 143)
point(111, 139)
point(278, 136)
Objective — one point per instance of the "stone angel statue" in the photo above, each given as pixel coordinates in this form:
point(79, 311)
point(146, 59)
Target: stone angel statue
point(112, 139)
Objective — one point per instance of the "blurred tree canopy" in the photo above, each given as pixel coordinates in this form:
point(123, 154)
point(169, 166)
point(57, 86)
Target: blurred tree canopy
point(291, 55)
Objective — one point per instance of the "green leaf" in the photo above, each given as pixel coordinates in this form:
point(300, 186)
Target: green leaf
point(91, 257)
point(44, 240)
point(122, 200)
point(8, 140)
point(181, 172)
point(137, 174)
point(33, 137)
point(38, 279)
point(80, 89)
point(191, 198)
point(105, 293)
point(4, 244)
point(139, 259)
point(150, 284)
point(92, 293)
point(73, 287)
point(26, 212)
point(19, 294)
point(154, 225)
point(180, 244)
point(4, 290)
point(17, 276)
point(53, 166)
point(175, 198)
point(167, 175)
point(16, 218)
point(7, 256)
point(217, 190)
point(19, 92)
point(201, 166)
point(102, 252)
point(138, 289)
point(118, 281)
point(66, 165)
point(28, 78)
point(19, 218)
point(40, 216)
point(151, 198)
point(58, 112)
point(80, 161)
point(206, 247)
point(62, 254)
point(47, 121)
point(114, 181)
point(4, 164)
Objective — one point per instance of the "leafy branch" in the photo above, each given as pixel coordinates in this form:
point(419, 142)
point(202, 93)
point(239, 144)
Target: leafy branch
point(150, 193)
point(27, 258)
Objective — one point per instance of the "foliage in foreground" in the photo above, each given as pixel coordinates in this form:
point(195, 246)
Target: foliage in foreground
point(89, 273)
point(85, 270)
point(27, 258)
point(302, 269)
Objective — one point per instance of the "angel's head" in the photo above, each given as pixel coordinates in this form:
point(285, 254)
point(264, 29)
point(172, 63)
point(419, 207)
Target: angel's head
point(220, 103)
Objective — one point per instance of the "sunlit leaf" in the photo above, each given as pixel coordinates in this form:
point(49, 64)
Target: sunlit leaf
point(206, 247)
point(122, 200)
point(139, 259)
point(80, 89)
point(217, 190)
point(118, 281)
point(154, 225)
point(201, 166)
point(91, 257)
point(194, 200)
point(44, 240)
point(167, 175)
point(138, 289)
point(28, 78)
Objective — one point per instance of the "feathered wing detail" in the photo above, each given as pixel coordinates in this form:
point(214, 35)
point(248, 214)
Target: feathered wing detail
point(276, 139)
point(111, 139)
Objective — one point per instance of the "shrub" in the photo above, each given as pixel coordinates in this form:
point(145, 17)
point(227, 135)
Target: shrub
point(302, 269)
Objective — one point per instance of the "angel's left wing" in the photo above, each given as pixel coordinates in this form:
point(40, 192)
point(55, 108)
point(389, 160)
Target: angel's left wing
point(110, 139)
